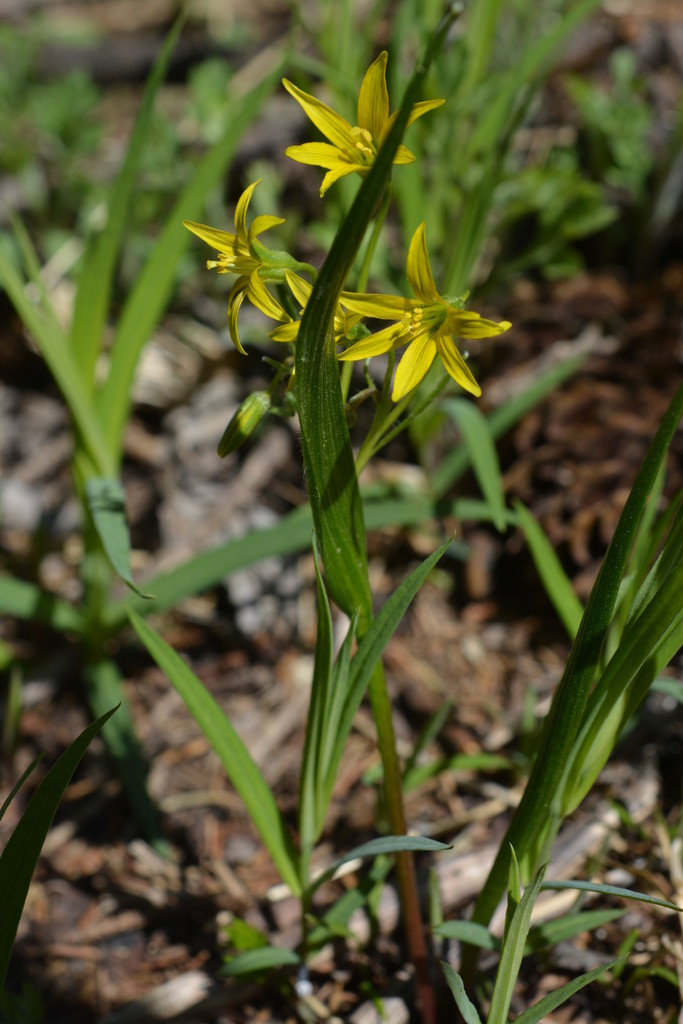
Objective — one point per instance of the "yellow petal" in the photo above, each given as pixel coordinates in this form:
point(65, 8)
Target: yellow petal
point(301, 289)
point(332, 125)
point(286, 332)
point(261, 224)
point(414, 364)
point(317, 154)
point(235, 300)
point(418, 270)
point(263, 300)
point(374, 345)
point(418, 110)
point(373, 99)
point(468, 324)
point(380, 307)
point(404, 156)
point(335, 174)
point(456, 365)
point(241, 213)
point(221, 241)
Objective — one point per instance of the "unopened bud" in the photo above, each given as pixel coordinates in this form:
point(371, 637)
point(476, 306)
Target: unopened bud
point(245, 421)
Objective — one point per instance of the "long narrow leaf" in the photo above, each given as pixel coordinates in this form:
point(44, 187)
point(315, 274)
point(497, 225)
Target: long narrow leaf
point(557, 584)
point(376, 847)
point(234, 756)
point(28, 601)
point(554, 999)
point(107, 506)
point(455, 983)
point(19, 858)
point(96, 278)
point(533, 825)
point(476, 434)
point(512, 952)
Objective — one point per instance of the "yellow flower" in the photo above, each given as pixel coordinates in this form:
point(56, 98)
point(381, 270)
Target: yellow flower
point(353, 148)
point(344, 323)
point(427, 323)
point(241, 254)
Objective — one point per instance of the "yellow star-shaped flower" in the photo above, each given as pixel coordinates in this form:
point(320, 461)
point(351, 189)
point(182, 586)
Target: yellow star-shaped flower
point(353, 148)
point(427, 323)
point(249, 259)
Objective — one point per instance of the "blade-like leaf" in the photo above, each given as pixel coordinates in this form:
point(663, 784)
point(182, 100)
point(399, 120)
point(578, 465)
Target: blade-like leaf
point(367, 656)
point(375, 847)
point(533, 824)
point(517, 929)
point(96, 278)
point(554, 999)
point(27, 601)
point(107, 504)
point(20, 782)
point(268, 958)
point(613, 890)
point(483, 456)
point(467, 931)
point(462, 1001)
point(19, 858)
point(557, 584)
point(234, 756)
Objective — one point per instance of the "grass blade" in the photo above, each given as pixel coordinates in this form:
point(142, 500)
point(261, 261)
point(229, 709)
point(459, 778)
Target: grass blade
point(234, 756)
point(107, 504)
point(377, 847)
point(96, 277)
point(19, 858)
point(467, 1008)
point(550, 1002)
point(476, 434)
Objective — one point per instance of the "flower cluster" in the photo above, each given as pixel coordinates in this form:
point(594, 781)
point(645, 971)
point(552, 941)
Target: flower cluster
point(428, 324)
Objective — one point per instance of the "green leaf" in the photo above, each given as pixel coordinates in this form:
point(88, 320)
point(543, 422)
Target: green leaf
point(476, 434)
point(546, 1005)
point(104, 688)
point(564, 928)
point(470, 932)
point(266, 959)
point(27, 601)
point(234, 756)
point(367, 656)
point(536, 820)
point(149, 298)
point(557, 584)
point(20, 782)
point(19, 858)
point(613, 890)
point(383, 845)
point(455, 984)
point(99, 260)
point(328, 457)
point(516, 931)
point(107, 504)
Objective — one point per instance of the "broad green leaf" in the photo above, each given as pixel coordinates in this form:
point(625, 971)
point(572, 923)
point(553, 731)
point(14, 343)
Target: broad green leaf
point(557, 584)
point(234, 756)
point(462, 1001)
point(517, 929)
point(19, 858)
point(107, 504)
point(383, 845)
point(149, 298)
point(550, 1002)
point(483, 456)
point(99, 260)
point(268, 958)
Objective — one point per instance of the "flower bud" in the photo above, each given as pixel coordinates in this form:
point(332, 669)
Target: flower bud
point(245, 421)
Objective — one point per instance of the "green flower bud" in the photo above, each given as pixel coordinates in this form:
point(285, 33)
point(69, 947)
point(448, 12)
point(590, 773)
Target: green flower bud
point(245, 421)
